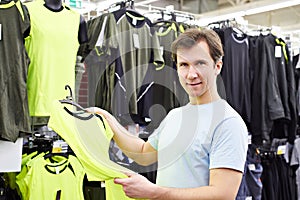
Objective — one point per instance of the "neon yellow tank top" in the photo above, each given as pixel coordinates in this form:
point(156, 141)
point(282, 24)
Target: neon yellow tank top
point(89, 138)
point(52, 47)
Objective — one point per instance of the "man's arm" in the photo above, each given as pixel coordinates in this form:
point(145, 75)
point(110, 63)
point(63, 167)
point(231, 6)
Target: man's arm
point(133, 147)
point(224, 184)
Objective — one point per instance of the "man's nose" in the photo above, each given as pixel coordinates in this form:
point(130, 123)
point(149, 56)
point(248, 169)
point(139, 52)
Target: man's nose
point(192, 72)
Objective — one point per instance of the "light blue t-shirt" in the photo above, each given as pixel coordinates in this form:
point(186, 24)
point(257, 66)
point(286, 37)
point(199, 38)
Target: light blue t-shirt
point(193, 139)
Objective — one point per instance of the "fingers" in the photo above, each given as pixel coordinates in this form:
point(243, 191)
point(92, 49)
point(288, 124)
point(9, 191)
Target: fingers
point(123, 181)
point(118, 181)
point(95, 110)
point(91, 109)
point(128, 174)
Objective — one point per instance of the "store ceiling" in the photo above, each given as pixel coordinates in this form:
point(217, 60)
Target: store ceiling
point(288, 18)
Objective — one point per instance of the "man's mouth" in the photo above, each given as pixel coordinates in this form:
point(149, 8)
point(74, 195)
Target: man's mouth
point(194, 84)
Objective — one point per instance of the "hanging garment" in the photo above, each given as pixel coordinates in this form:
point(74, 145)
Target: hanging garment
point(295, 162)
point(166, 92)
point(61, 180)
point(20, 177)
point(52, 47)
point(236, 73)
point(14, 114)
point(129, 48)
point(267, 104)
point(100, 67)
point(89, 137)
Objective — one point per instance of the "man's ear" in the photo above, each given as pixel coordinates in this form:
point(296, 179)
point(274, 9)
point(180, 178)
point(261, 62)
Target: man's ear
point(218, 67)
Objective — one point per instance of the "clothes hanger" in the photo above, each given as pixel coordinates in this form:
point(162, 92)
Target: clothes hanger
point(164, 22)
point(78, 115)
point(69, 99)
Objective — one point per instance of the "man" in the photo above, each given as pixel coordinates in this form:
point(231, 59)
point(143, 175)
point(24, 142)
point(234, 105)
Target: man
point(200, 147)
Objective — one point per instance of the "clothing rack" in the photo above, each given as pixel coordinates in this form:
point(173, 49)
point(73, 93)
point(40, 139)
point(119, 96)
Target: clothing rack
point(122, 4)
point(171, 14)
point(166, 11)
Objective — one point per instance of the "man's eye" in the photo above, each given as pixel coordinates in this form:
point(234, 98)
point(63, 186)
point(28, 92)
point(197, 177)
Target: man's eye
point(183, 65)
point(201, 63)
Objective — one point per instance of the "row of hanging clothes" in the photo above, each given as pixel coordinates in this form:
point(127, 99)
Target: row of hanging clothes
point(259, 79)
point(130, 69)
point(49, 170)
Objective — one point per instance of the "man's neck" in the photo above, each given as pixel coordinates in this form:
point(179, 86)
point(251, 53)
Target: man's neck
point(205, 98)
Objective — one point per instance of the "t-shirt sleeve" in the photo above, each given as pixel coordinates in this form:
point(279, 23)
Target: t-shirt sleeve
point(229, 145)
point(153, 139)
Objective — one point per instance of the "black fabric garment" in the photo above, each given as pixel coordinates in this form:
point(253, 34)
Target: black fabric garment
point(243, 191)
point(98, 62)
point(285, 127)
point(295, 66)
point(269, 178)
point(251, 185)
point(14, 61)
point(292, 100)
point(266, 101)
point(281, 65)
point(274, 107)
point(138, 48)
point(166, 91)
point(254, 173)
point(285, 179)
point(236, 73)
point(258, 86)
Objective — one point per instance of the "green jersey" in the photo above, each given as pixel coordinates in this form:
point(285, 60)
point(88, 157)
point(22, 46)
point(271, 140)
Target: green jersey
point(14, 114)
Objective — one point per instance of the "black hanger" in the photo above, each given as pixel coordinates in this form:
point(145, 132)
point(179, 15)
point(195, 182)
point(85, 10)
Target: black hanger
point(69, 99)
point(123, 4)
point(50, 155)
point(78, 115)
point(164, 22)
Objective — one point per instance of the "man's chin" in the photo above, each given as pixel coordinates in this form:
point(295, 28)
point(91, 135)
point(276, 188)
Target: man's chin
point(194, 94)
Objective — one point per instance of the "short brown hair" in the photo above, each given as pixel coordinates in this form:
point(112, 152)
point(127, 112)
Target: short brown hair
point(192, 36)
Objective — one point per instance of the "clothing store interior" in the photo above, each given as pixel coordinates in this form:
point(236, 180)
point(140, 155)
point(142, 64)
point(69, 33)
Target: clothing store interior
point(67, 56)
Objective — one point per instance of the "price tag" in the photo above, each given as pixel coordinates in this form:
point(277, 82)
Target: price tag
point(134, 21)
point(281, 149)
point(59, 146)
point(251, 167)
point(249, 139)
point(277, 51)
point(136, 41)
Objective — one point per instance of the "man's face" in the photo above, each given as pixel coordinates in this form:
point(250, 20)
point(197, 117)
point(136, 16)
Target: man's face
point(197, 70)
